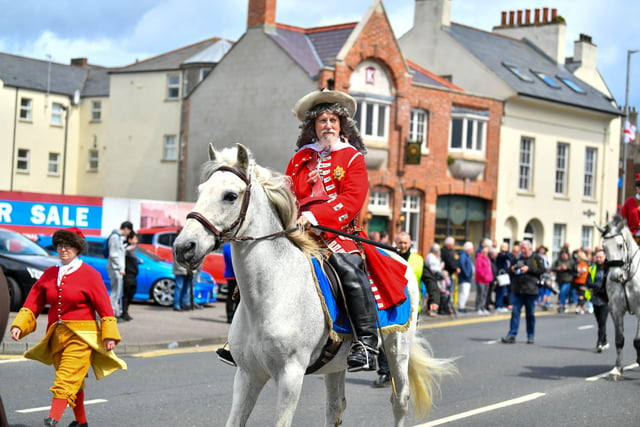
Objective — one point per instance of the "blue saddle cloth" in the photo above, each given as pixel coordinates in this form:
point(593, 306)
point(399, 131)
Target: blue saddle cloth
point(398, 315)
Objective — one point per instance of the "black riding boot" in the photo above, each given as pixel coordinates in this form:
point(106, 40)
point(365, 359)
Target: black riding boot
point(362, 310)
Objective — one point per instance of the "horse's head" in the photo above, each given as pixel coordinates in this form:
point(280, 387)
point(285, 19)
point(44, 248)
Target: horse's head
point(223, 198)
point(617, 240)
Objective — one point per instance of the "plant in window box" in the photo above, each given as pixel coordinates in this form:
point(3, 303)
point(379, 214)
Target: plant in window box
point(465, 166)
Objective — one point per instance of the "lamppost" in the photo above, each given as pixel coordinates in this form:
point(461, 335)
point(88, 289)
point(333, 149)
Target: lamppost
point(626, 117)
point(64, 151)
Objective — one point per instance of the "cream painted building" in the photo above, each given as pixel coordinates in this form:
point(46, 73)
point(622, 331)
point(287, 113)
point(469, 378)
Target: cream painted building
point(560, 131)
point(48, 139)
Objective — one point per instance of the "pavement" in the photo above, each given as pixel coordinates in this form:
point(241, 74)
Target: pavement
point(152, 328)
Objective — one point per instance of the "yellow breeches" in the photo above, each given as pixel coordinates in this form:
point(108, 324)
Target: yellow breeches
point(71, 360)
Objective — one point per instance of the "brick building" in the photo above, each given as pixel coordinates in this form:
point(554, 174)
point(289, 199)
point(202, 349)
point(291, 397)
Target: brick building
point(430, 143)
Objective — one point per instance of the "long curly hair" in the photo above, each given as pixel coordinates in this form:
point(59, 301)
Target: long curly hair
point(348, 127)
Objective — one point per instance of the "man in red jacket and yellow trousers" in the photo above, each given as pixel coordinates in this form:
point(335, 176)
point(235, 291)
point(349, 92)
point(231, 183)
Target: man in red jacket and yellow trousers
point(74, 341)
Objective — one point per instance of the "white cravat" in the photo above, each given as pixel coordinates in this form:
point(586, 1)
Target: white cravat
point(69, 268)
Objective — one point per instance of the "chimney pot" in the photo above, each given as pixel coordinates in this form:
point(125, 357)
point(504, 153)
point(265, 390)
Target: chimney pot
point(554, 15)
point(519, 18)
point(545, 15)
point(503, 19)
point(512, 17)
point(527, 16)
point(536, 16)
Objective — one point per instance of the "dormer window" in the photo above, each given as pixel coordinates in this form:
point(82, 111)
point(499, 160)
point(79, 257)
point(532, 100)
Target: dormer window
point(519, 72)
point(547, 79)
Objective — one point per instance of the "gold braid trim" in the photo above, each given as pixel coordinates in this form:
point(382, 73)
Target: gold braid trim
point(333, 335)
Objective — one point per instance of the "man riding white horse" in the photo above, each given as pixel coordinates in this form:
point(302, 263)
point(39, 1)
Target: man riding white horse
point(329, 178)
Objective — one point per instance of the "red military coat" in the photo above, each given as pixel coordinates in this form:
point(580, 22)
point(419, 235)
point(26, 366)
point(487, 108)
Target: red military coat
point(630, 212)
point(336, 198)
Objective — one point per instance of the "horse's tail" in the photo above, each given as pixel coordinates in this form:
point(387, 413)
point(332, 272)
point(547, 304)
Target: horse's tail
point(425, 373)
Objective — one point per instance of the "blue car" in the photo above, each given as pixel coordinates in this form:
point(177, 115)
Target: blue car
point(156, 280)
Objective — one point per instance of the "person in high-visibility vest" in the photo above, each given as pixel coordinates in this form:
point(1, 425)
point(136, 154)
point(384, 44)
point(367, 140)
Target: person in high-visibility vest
point(596, 283)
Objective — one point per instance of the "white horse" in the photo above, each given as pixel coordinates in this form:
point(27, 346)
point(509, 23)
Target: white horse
point(623, 283)
point(281, 326)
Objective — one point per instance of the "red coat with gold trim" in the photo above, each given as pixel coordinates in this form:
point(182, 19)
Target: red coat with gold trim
point(337, 195)
point(334, 200)
point(630, 212)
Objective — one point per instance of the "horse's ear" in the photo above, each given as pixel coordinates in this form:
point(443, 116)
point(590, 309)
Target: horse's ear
point(244, 156)
point(602, 230)
point(212, 151)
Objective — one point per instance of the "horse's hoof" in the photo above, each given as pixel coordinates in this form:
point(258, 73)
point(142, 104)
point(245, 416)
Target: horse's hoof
point(614, 377)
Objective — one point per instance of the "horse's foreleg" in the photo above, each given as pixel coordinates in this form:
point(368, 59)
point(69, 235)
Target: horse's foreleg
point(636, 340)
point(246, 389)
point(289, 384)
point(618, 322)
point(336, 402)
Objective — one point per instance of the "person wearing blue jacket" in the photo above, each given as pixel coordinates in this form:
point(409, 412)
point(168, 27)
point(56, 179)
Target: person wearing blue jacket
point(465, 276)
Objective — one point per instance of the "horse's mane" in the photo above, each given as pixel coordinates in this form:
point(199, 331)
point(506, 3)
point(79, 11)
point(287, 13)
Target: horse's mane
point(278, 191)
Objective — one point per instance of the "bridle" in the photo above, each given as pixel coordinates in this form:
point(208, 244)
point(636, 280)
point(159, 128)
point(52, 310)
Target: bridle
point(625, 263)
point(227, 235)
point(224, 234)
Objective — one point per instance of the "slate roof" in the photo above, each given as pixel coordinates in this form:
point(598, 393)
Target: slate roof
point(495, 50)
point(314, 48)
point(33, 74)
point(169, 60)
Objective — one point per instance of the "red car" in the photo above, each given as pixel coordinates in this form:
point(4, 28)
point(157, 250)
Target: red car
point(159, 240)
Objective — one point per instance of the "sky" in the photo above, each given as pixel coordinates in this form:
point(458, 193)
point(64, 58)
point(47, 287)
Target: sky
point(119, 32)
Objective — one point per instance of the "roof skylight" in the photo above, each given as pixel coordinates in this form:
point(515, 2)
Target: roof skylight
point(519, 72)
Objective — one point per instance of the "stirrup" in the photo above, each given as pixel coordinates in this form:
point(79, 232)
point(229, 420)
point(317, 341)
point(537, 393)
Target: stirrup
point(370, 358)
point(225, 356)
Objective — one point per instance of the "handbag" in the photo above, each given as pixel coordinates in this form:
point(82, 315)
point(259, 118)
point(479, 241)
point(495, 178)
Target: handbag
point(503, 278)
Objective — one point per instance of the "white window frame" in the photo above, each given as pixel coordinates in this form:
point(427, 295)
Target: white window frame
point(379, 200)
point(586, 236)
point(173, 87)
point(590, 165)
point(26, 107)
point(53, 164)
point(418, 128)
point(170, 148)
point(365, 119)
point(93, 160)
point(472, 140)
point(562, 169)
point(23, 161)
point(411, 203)
point(96, 111)
point(56, 113)
point(525, 166)
point(559, 237)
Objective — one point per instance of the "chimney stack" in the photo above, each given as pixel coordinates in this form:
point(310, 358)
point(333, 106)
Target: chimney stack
point(80, 62)
point(262, 13)
point(547, 31)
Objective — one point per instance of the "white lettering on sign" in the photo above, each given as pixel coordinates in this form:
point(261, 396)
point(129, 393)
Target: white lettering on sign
point(5, 212)
point(64, 216)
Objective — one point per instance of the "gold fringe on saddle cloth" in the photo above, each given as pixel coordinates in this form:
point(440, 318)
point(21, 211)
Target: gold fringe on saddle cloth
point(339, 337)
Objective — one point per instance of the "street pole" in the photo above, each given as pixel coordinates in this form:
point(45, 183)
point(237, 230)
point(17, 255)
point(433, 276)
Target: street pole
point(626, 117)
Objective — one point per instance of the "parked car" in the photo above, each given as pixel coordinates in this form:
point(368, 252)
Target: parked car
point(159, 240)
point(22, 262)
point(156, 280)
